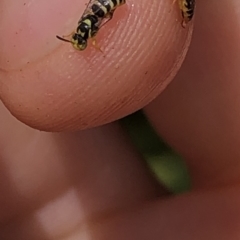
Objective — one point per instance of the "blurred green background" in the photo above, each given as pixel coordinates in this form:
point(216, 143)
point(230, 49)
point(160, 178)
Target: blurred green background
point(168, 166)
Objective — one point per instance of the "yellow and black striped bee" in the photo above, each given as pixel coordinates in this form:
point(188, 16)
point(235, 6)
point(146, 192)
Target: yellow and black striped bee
point(87, 28)
point(187, 7)
point(96, 14)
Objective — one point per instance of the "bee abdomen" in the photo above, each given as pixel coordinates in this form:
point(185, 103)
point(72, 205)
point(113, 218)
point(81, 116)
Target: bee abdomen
point(187, 8)
point(87, 26)
point(102, 8)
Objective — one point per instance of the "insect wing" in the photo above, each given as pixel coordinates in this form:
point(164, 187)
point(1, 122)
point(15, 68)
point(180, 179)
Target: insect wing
point(88, 10)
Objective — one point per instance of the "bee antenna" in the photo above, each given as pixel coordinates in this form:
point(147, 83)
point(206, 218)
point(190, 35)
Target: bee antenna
point(63, 39)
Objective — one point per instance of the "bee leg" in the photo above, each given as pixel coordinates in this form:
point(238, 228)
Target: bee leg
point(184, 23)
point(95, 45)
point(181, 6)
point(109, 16)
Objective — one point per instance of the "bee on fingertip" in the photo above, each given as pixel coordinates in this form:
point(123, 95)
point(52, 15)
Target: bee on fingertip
point(96, 14)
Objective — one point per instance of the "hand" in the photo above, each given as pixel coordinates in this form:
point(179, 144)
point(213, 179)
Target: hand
point(93, 184)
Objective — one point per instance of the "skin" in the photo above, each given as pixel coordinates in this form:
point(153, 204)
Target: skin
point(93, 184)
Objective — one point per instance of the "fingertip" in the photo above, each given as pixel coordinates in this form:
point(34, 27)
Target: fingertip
point(144, 46)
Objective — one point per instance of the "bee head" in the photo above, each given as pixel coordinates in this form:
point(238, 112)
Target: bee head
point(78, 42)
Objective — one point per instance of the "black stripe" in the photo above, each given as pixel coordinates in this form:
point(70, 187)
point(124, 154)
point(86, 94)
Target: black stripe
point(114, 2)
point(106, 4)
point(190, 4)
point(190, 12)
point(92, 18)
point(84, 28)
point(98, 11)
point(80, 40)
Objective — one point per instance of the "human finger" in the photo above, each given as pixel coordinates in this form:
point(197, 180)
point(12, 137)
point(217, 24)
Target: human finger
point(51, 184)
point(50, 86)
point(198, 114)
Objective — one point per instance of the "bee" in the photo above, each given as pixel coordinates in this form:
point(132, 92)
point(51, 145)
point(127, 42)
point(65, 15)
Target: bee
point(87, 28)
point(187, 7)
point(96, 14)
